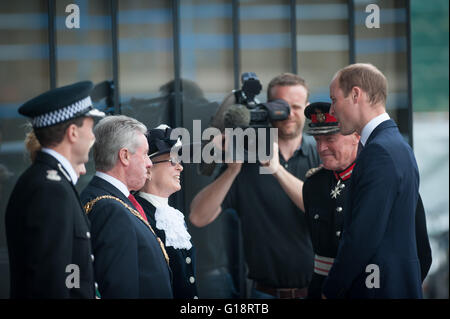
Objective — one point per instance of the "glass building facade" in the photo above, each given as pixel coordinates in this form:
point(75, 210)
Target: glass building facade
point(174, 61)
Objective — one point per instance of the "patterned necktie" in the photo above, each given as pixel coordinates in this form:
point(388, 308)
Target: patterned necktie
point(137, 206)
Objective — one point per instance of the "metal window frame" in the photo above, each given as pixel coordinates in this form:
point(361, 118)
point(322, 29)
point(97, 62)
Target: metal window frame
point(115, 55)
point(293, 25)
point(176, 107)
point(51, 6)
point(351, 32)
point(176, 112)
point(409, 73)
point(236, 43)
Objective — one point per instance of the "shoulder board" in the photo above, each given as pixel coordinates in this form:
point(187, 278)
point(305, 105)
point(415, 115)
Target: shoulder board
point(312, 171)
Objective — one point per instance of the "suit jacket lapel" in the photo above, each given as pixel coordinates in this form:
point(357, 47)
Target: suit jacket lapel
point(114, 191)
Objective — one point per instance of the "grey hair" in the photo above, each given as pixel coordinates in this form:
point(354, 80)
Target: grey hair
point(113, 133)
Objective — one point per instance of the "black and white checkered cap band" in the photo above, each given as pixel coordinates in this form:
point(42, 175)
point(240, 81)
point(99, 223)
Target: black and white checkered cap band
point(63, 114)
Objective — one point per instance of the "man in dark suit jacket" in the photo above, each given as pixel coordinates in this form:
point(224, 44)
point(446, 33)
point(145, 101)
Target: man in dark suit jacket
point(130, 260)
point(47, 231)
point(323, 194)
point(377, 255)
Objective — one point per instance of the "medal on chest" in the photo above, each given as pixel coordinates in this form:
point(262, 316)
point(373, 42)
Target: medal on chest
point(337, 190)
point(341, 177)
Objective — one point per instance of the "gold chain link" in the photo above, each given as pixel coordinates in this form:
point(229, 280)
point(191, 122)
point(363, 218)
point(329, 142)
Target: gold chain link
point(89, 205)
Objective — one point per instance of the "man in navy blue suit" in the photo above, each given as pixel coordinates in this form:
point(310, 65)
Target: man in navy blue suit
point(377, 255)
point(130, 260)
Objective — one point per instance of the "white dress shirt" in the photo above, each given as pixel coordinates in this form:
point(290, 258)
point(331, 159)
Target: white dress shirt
point(369, 127)
point(156, 201)
point(115, 182)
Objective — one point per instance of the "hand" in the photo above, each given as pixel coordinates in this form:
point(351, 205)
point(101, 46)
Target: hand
point(218, 141)
point(235, 167)
point(274, 163)
point(221, 143)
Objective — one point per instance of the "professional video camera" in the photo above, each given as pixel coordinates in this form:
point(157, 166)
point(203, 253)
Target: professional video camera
point(261, 114)
point(241, 109)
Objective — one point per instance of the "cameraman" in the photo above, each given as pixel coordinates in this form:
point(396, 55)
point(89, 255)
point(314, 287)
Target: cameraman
point(277, 244)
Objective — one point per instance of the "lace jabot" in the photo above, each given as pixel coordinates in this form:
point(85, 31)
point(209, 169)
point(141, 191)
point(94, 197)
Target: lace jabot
point(171, 221)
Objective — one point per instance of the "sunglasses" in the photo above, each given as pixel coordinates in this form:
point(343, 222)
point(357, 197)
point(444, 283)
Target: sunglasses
point(172, 161)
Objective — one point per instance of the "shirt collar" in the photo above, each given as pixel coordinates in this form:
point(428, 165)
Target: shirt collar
point(156, 201)
point(304, 150)
point(369, 127)
point(115, 182)
point(64, 162)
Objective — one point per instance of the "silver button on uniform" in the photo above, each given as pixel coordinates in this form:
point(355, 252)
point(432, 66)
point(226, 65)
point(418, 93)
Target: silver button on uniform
point(88, 234)
point(339, 209)
point(188, 260)
point(191, 279)
point(338, 233)
point(92, 257)
point(195, 297)
point(316, 216)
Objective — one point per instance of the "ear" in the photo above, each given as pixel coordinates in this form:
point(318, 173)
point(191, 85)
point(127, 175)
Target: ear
point(72, 133)
point(124, 156)
point(356, 94)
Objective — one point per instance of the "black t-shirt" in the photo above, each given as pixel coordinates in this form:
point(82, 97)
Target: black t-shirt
point(277, 243)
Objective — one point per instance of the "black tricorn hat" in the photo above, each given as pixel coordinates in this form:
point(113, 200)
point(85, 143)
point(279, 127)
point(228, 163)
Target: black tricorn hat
point(60, 105)
point(322, 122)
point(159, 141)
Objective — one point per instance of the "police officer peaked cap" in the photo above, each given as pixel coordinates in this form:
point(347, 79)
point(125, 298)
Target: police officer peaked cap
point(322, 122)
point(159, 141)
point(60, 105)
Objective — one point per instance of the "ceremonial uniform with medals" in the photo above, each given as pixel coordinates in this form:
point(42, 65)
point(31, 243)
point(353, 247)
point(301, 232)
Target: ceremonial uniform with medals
point(169, 224)
point(324, 195)
point(47, 231)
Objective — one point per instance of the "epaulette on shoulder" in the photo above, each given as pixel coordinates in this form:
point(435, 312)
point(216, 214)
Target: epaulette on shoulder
point(52, 175)
point(312, 171)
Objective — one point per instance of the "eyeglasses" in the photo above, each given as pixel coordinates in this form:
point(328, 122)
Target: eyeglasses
point(172, 161)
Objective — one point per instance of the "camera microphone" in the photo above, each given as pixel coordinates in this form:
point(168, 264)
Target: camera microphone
point(236, 115)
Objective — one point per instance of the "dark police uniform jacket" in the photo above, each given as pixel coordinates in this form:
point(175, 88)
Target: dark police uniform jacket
point(48, 235)
point(129, 262)
point(379, 238)
point(324, 194)
point(182, 261)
